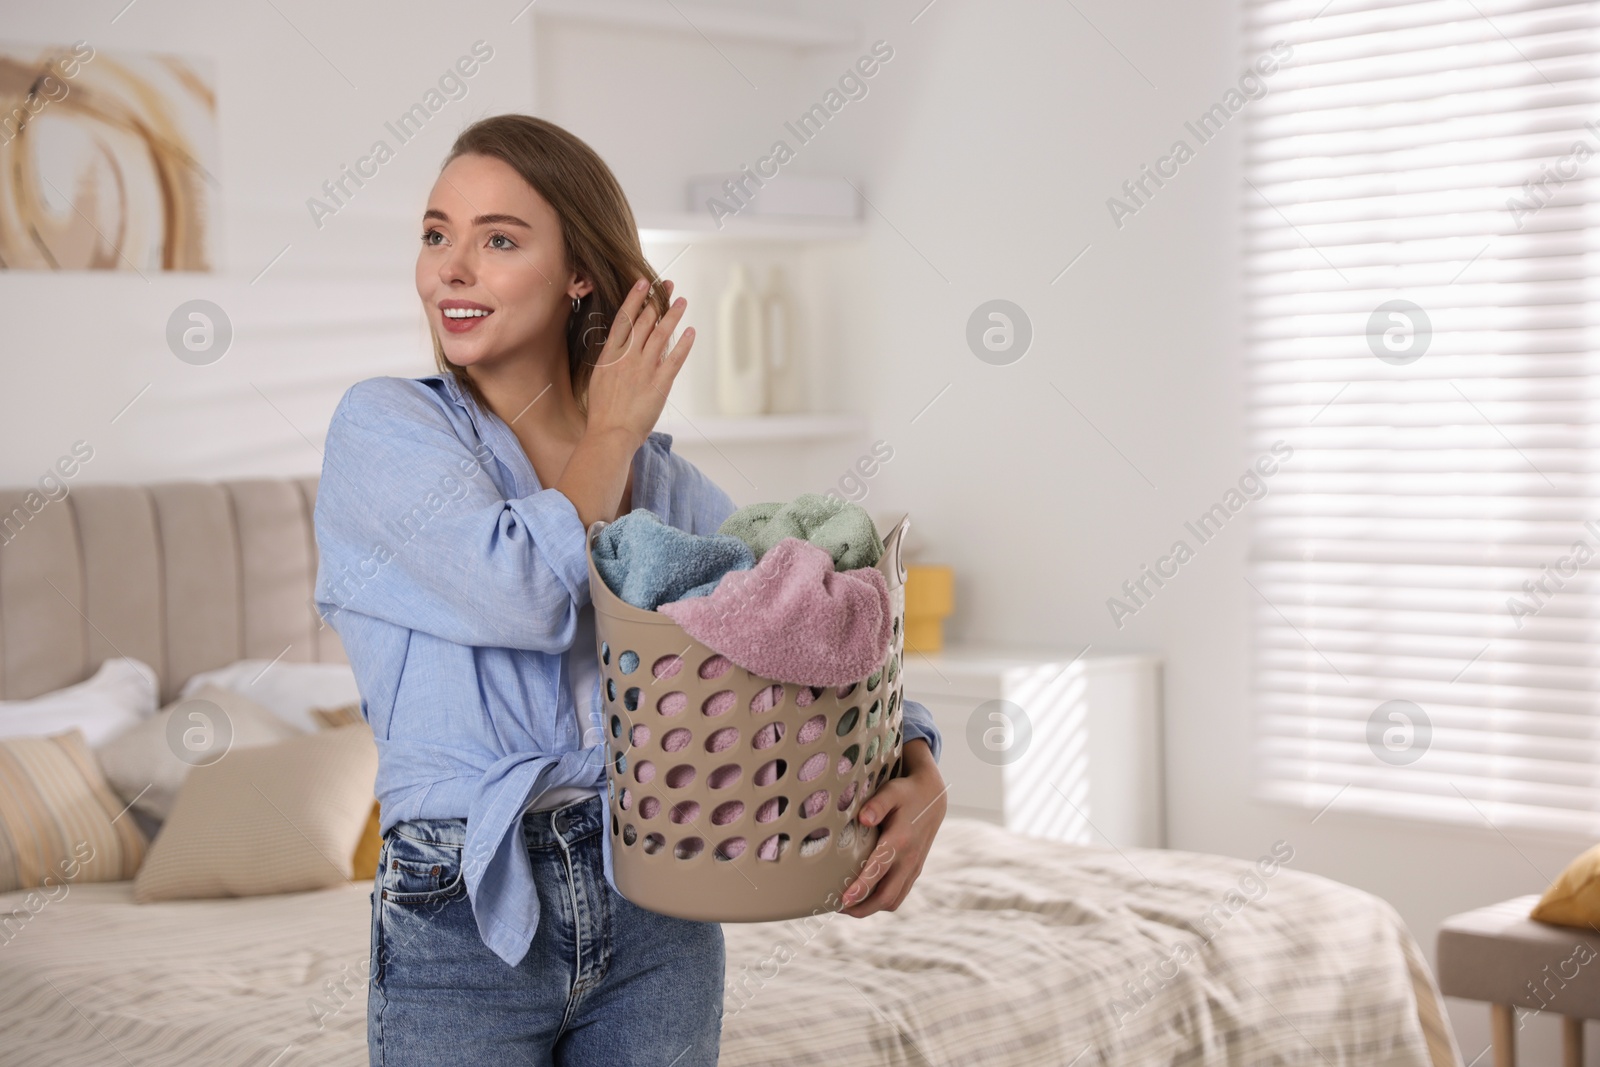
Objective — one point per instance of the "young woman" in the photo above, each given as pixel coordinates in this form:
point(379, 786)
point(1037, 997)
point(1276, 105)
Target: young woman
point(451, 519)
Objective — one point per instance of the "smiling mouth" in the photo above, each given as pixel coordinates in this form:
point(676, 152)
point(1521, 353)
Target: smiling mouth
point(462, 320)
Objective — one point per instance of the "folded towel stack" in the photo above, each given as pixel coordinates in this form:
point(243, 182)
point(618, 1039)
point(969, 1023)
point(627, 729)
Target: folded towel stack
point(810, 607)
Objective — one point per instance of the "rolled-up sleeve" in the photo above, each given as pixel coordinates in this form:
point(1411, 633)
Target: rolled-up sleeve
point(411, 529)
point(916, 722)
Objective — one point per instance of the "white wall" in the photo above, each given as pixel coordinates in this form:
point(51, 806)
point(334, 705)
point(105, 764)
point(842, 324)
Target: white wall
point(988, 146)
point(340, 303)
point(992, 149)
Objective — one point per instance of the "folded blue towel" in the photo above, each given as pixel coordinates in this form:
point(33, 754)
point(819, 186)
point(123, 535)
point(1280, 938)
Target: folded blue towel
point(648, 563)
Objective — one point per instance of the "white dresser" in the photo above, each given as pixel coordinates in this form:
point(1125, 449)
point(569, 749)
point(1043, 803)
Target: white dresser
point(1047, 745)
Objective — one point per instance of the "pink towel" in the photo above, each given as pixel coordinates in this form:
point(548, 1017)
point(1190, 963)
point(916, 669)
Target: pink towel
point(793, 618)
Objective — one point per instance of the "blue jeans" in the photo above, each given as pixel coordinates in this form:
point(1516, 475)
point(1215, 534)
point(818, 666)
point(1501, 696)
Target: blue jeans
point(605, 982)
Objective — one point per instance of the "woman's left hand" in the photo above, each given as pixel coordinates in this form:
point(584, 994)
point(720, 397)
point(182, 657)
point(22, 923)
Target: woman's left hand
point(908, 811)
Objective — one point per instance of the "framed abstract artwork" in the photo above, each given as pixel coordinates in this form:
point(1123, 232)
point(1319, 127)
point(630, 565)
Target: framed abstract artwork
point(108, 160)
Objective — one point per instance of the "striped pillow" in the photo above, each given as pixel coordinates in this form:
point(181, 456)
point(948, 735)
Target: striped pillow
point(59, 820)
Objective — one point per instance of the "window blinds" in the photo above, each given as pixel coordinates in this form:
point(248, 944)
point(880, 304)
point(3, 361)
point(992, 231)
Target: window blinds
point(1420, 239)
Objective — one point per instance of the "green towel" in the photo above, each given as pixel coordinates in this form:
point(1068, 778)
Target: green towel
point(844, 529)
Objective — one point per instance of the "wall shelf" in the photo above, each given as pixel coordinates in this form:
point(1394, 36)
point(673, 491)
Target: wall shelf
point(715, 20)
point(748, 429)
point(696, 227)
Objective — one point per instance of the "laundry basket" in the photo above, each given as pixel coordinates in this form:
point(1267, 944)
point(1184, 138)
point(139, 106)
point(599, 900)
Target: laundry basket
point(692, 833)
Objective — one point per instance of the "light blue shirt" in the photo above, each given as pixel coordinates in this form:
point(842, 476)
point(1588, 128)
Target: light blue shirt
point(456, 584)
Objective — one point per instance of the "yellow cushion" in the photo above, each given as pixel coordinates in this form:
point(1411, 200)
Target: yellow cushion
point(1573, 899)
point(365, 864)
point(333, 718)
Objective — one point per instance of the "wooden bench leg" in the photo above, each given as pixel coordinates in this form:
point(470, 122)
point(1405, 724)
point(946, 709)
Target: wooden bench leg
point(1571, 1042)
point(1503, 1034)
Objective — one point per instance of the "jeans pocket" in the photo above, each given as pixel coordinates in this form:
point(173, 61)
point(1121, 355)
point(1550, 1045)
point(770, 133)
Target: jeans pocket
point(420, 872)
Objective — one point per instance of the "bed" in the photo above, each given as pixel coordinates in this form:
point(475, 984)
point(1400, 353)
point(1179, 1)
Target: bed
point(1010, 951)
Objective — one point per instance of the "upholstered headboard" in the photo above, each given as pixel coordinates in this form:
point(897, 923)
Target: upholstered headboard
point(185, 576)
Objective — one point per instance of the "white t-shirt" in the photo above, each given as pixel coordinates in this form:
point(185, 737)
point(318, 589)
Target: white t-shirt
point(583, 672)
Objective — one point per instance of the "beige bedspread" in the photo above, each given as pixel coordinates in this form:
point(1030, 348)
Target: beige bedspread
point(1009, 952)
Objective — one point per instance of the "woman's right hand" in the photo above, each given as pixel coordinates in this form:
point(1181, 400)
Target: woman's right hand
point(631, 379)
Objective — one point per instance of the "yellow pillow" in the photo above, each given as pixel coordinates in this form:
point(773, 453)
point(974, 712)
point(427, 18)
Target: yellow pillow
point(365, 864)
point(333, 718)
point(1573, 899)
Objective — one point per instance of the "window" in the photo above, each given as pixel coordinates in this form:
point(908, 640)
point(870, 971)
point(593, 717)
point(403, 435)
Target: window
point(1420, 239)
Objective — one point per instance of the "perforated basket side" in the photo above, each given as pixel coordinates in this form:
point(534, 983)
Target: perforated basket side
point(733, 797)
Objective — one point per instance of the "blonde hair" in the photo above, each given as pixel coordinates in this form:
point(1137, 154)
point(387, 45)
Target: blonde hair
point(598, 233)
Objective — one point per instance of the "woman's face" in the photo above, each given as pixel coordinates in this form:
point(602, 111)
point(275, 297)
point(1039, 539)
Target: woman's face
point(492, 243)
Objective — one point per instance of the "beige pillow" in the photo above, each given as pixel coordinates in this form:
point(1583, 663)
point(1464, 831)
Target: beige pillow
point(281, 818)
point(59, 820)
point(144, 766)
point(364, 864)
point(1573, 899)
